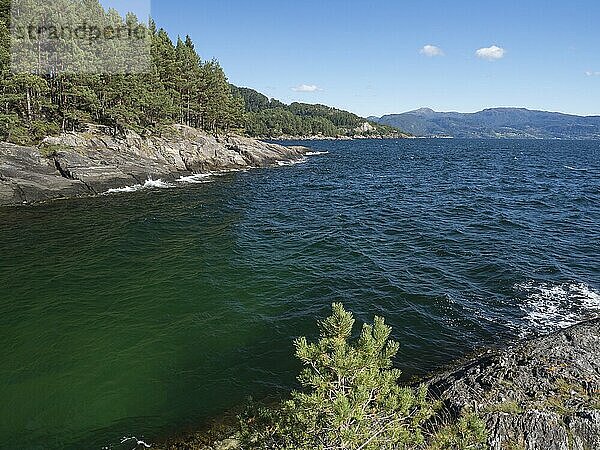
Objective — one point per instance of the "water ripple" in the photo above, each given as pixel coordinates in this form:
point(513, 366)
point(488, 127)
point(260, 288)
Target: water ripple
point(132, 314)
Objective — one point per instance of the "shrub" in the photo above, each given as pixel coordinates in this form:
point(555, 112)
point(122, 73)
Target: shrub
point(467, 433)
point(351, 399)
point(350, 396)
point(507, 407)
point(51, 150)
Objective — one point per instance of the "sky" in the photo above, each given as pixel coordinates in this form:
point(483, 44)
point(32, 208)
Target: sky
point(392, 56)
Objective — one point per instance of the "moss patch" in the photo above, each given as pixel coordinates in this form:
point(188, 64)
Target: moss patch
point(508, 407)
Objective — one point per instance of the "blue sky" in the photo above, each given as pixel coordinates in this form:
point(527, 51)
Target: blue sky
point(368, 56)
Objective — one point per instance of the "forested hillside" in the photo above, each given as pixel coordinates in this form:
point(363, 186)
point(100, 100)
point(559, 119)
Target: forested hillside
point(177, 87)
point(271, 118)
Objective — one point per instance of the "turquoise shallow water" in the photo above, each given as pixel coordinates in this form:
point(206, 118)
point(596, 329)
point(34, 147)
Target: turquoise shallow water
point(144, 313)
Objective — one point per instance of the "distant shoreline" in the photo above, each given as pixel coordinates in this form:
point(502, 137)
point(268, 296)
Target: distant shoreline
point(331, 138)
point(508, 123)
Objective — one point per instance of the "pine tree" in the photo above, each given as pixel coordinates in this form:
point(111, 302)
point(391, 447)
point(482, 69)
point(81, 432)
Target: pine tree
point(188, 82)
point(220, 108)
point(165, 64)
point(351, 399)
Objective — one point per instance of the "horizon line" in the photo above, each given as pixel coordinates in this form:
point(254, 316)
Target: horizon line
point(522, 108)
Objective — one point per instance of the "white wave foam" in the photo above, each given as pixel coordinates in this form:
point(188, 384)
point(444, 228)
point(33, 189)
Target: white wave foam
point(133, 188)
point(149, 184)
point(292, 163)
point(138, 442)
point(196, 179)
point(156, 184)
point(226, 171)
point(316, 153)
point(575, 169)
point(551, 306)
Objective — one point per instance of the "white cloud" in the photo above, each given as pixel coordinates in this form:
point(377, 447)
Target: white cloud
point(492, 53)
point(589, 73)
point(431, 51)
point(307, 88)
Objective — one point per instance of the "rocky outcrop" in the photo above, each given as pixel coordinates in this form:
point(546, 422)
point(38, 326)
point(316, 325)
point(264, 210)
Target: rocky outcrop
point(540, 395)
point(26, 176)
point(366, 127)
point(83, 164)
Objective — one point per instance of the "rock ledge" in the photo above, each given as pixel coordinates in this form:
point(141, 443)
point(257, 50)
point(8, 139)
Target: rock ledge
point(89, 163)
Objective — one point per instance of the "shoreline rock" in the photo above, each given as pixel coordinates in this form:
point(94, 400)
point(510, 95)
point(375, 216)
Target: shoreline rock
point(92, 162)
point(541, 394)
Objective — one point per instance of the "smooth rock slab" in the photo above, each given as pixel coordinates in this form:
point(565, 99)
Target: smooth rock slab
point(27, 177)
point(83, 164)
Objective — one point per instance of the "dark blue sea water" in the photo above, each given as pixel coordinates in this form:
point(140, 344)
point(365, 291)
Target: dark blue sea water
point(143, 313)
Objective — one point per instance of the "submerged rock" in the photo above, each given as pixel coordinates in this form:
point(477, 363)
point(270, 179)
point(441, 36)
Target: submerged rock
point(83, 164)
point(542, 394)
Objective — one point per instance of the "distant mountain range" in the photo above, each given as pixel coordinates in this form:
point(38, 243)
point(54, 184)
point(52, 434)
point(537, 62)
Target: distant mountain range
point(494, 123)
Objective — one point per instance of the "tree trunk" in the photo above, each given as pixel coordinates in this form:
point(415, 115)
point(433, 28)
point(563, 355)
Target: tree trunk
point(29, 104)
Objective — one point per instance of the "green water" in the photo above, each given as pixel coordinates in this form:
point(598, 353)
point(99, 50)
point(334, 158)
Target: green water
point(145, 313)
point(125, 311)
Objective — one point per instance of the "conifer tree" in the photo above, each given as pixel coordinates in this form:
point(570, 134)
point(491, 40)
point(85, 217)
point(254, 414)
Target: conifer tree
point(189, 73)
point(170, 84)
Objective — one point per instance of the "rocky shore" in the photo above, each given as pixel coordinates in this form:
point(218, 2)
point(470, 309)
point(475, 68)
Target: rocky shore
point(541, 394)
point(92, 162)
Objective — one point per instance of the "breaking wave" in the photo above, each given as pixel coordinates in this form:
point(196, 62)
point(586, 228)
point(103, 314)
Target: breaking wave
point(552, 306)
point(575, 169)
point(196, 179)
point(292, 162)
point(149, 184)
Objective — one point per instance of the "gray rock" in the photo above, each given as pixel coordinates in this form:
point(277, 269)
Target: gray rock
point(530, 430)
point(542, 394)
point(83, 164)
point(25, 177)
point(584, 428)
